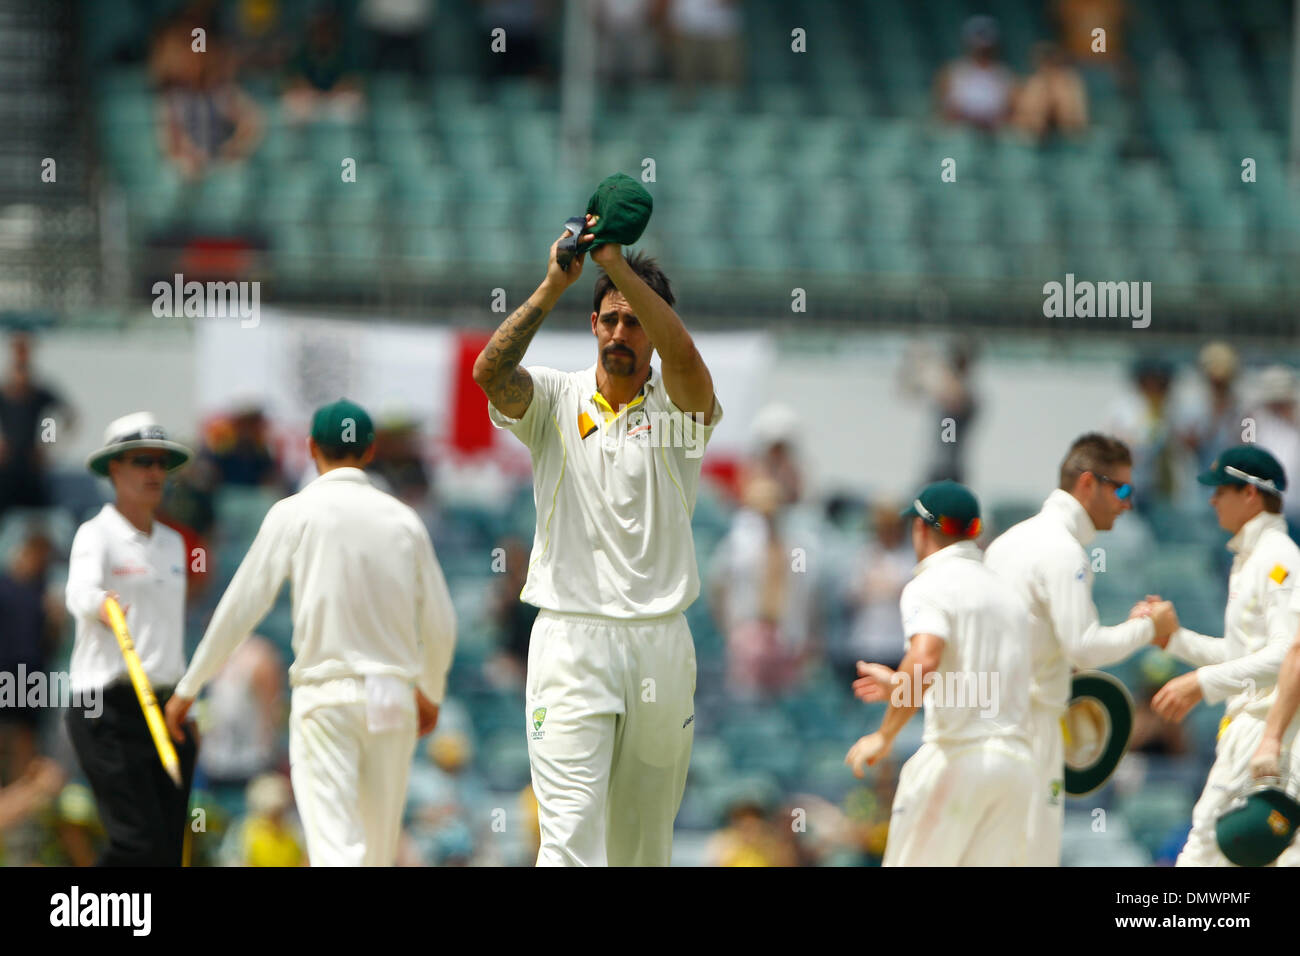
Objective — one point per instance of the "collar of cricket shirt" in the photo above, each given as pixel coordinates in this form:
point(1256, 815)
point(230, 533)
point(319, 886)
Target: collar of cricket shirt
point(958, 549)
point(1244, 541)
point(1067, 507)
point(603, 406)
point(344, 474)
point(123, 527)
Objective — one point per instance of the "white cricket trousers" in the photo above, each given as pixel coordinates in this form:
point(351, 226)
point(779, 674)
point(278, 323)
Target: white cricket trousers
point(1046, 819)
point(349, 782)
point(962, 804)
point(1228, 776)
point(610, 718)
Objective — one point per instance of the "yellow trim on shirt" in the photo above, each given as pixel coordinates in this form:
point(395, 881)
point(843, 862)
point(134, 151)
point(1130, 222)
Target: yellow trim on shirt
point(1223, 725)
point(1278, 574)
point(609, 413)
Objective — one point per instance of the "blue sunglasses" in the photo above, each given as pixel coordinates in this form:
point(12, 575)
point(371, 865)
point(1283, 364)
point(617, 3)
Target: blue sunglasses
point(1122, 491)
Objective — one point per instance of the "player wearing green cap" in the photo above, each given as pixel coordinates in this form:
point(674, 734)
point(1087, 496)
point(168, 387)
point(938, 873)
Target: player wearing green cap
point(1259, 625)
point(373, 634)
point(962, 798)
point(616, 451)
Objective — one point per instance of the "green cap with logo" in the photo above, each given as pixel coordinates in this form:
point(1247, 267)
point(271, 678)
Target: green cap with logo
point(623, 207)
point(343, 426)
point(949, 507)
point(1246, 465)
point(1258, 827)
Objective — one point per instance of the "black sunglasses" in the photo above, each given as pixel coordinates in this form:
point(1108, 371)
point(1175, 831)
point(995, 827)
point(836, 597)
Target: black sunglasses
point(147, 461)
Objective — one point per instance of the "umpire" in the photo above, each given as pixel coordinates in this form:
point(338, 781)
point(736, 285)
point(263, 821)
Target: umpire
point(125, 553)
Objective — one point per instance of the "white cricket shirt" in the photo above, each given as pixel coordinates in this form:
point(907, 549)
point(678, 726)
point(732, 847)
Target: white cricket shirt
point(1259, 622)
point(615, 491)
point(148, 573)
point(981, 686)
point(369, 597)
point(1044, 559)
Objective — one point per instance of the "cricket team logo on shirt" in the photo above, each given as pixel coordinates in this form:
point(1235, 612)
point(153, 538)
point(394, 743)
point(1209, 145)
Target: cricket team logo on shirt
point(539, 717)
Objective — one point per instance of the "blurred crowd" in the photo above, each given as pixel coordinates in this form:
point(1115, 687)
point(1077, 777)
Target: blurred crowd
point(979, 90)
point(787, 619)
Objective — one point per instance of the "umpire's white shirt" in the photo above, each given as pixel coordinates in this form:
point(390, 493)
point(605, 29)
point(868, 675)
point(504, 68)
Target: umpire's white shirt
point(369, 598)
point(148, 573)
point(981, 685)
point(615, 491)
point(1045, 559)
point(1259, 622)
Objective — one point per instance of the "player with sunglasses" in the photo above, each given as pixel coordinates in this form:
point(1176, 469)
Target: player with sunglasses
point(125, 553)
point(1046, 560)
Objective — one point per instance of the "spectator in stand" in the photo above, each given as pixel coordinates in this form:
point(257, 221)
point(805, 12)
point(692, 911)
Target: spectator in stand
point(396, 33)
point(1212, 420)
point(977, 90)
point(705, 38)
point(29, 628)
point(1078, 19)
point(627, 41)
point(776, 429)
point(239, 448)
point(204, 117)
point(945, 382)
point(1143, 420)
point(512, 617)
point(38, 785)
point(26, 407)
point(399, 467)
point(270, 834)
point(244, 720)
point(256, 33)
point(884, 568)
point(751, 838)
point(445, 800)
point(1277, 430)
point(523, 22)
point(1053, 99)
point(763, 596)
point(323, 78)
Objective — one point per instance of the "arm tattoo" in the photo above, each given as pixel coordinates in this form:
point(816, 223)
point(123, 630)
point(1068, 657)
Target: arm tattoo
point(510, 385)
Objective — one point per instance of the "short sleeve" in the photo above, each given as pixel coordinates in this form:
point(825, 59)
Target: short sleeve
point(691, 434)
point(530, 427)
point(921, 612)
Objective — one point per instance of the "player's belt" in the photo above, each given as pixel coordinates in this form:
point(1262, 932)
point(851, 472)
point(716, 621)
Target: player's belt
point(1097, 724)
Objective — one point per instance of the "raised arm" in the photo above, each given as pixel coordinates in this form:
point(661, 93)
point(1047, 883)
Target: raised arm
point(496, 370)
point(685, 375)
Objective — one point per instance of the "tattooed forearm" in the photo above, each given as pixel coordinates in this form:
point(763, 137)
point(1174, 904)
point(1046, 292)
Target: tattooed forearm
point(497, 371)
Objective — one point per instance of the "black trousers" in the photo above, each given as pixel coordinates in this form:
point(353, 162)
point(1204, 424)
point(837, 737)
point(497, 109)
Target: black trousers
point(143, 812)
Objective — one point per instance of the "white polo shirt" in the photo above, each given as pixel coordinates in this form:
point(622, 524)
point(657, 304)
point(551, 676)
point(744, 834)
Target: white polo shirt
point(1044, 558)
point(1259, 622)
point(981, 686)
point(615, 491)
point(148, 573)
point(369, 597)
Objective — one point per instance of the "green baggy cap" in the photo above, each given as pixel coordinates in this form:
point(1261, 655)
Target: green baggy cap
point(1246, 465)
point(948, 506)
point(1255, 832)
point(624, 208)
point(343, 426)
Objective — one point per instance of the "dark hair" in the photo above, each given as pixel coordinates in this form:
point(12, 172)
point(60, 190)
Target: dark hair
point(1092, 452)
point(1272, 502)
point(337, 452)
point(646, 268)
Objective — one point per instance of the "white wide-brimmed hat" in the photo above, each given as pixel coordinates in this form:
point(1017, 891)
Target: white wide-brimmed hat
point(137, 430)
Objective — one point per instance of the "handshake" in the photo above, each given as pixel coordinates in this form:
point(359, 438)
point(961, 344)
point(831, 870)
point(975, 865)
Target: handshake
point(1162, 614)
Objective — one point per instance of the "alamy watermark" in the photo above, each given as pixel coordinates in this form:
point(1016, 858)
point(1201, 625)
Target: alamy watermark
point(1086, 300)
point(654, 429)
point(20, 688)
point(208, 300)
point(949, 689)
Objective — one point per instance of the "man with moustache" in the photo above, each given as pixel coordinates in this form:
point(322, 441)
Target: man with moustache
point(616, 451)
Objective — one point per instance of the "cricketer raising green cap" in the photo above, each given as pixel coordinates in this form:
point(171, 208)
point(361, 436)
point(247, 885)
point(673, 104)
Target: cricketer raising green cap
point(948, 506)
point(1246, 465)
point(343, 426)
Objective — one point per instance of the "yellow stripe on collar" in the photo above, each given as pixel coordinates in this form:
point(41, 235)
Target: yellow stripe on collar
point(608, 412)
